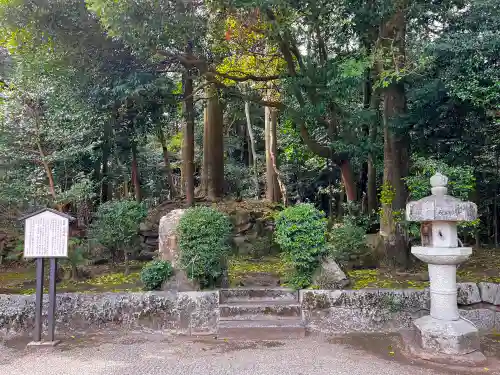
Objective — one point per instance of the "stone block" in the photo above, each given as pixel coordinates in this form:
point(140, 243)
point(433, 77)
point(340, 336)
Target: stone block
point(490, 293)
point(88, 312)
point(456, 337)
point(496, 329)
point(413, 349)
point(404, 299)
point(198, 312)
point(468, 294)
point(483, 319)
point(345, 320)
point(314, 299)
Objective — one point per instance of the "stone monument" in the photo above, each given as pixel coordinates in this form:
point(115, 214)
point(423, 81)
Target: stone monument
point(169, 250)
point(442, 336)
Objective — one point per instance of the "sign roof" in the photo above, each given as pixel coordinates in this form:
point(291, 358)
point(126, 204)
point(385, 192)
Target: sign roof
point(62, 214)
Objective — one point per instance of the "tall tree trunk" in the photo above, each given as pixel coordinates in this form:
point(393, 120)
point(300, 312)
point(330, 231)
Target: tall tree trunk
point(106, 154)
point(135, 174)
point(272, 187)
point(188, 137)
point(43, 156)
point(495, 199)
point(371, 102)
point(279, 189)
point(371, 186)
point(126, 272)
point(246, 148)
point(166, 160)
point(395, 148)
point(206, 153)
point(48, 171)
point(371, 189)
point(348, 180)
point(215, 144)
point(249, 151)
point(252, 147)
point(340, 203)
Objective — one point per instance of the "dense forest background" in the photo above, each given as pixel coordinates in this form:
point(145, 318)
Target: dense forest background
point(351, 105)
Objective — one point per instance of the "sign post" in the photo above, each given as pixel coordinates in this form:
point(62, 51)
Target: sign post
point(46, 236)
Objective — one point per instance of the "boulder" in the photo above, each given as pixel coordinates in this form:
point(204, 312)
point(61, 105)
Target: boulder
point(329, 275)
point(240, 218)
point(145, 227)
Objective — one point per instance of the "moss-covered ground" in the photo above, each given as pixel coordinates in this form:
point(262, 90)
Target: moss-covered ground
point(484, 265)
point(265, 271)
point(21, 280)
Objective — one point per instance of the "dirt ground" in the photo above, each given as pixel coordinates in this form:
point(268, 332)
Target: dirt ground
point(139, 353)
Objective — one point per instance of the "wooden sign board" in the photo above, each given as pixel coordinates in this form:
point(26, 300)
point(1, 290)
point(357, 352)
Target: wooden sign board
point(46, 235)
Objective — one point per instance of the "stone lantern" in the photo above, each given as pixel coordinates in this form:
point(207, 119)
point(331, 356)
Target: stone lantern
point(443, 335)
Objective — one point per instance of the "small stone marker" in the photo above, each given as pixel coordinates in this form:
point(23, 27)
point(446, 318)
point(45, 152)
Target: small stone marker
point(46, 236)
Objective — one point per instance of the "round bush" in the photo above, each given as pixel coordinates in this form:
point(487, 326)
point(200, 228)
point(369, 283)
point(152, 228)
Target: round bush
point(155, 273)
point(300, 233)
point(348, 242)
point(204, 236)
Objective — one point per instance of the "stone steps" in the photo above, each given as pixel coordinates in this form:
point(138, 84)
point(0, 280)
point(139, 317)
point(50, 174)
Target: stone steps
point(261, 330)
point(262, 310)
point(258, 294)
point(260, 313)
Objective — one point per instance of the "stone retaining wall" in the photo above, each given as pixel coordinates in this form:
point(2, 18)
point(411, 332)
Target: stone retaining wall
point(385, 310)
point(197, 313)
point(180, 313)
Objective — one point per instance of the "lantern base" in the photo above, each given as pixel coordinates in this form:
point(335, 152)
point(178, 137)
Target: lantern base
point(413, 349)
point(444, 341)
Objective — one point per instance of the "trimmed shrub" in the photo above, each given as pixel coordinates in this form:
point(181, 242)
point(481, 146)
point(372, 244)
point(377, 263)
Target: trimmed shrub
point(155, 273)
point(300, 233)
point(204, 236)
point(347, 242)
point(116, 226)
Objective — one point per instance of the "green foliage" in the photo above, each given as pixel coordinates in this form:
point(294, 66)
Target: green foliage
point(461, 180)
point(239, 180)
point(467, 54)
point(83, 188)
point(175, 143)
point(387, 194)
point(204, 242)
point(77, 256)
point(353, 215)
point(17, 252)
point(155, 273)
point(300, 233)
point(461, 184)
point(347, 242)
point(116, 223)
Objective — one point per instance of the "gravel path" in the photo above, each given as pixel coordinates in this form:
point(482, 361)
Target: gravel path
point(155, 355)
